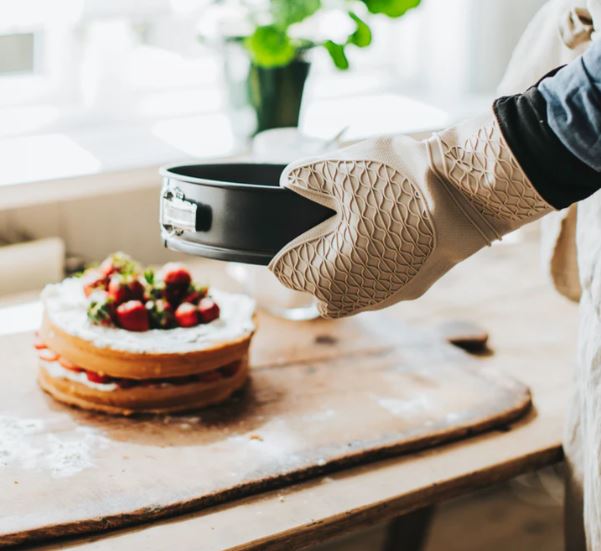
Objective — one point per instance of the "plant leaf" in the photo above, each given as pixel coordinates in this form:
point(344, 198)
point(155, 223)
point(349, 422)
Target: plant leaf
point(287, 12)
point(361, 37)
point(391, 8)
point(337, 54)
point(270, 46)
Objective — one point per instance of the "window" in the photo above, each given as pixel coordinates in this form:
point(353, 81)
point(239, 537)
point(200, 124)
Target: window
point(74, 64)
point(17, 53)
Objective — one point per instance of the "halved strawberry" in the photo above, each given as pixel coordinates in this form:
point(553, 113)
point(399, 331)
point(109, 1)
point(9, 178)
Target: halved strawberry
point(125, 287)
point(132, 315)
point(92, 280)
point(186, 315)
point(117, 291)
point(208, 310)
point(108, 267)
point(195, 293)
point(118, 263)
point(98, 377)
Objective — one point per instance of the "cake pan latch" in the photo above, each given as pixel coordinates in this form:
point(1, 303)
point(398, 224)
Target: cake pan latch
point(177, 213)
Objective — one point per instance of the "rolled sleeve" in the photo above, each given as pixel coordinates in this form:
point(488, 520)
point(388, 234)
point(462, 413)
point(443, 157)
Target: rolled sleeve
point(573, 97)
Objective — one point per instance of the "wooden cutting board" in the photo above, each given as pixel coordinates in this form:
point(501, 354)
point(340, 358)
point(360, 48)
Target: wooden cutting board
point(324, 395)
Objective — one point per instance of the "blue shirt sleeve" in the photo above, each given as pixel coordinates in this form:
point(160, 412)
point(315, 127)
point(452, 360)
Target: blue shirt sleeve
point(573, 97)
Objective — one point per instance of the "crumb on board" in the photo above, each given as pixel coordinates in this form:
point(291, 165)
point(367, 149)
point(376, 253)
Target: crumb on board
point(255, 436)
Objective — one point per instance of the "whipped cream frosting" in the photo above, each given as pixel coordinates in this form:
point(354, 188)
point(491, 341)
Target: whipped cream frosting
point(65, 305)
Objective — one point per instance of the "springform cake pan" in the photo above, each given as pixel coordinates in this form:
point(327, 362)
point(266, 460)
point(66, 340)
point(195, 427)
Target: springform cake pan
point(232, 211)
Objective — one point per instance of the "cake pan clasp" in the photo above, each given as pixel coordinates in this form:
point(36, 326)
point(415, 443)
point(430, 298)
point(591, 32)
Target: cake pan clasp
point(177, 213)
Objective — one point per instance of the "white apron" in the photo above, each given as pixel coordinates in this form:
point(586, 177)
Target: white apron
point(571, 244)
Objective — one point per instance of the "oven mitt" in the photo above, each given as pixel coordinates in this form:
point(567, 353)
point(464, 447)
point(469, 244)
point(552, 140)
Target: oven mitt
point(406, 211)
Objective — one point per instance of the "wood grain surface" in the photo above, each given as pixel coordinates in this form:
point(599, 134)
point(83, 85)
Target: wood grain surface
point(323, 395)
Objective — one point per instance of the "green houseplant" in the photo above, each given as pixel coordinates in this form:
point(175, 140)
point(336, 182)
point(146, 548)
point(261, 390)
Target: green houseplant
point(274, 50)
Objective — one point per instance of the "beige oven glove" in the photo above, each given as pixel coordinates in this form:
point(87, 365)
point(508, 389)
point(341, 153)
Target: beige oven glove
point(406, 211)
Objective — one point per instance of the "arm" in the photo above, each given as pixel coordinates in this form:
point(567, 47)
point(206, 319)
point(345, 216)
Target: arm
point(573, 98)
point(554, 130)
point(408, 211)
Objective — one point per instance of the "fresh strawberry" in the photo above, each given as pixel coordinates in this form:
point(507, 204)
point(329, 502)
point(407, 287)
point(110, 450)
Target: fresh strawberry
point(101, 308)
point(132, 315)
point(117, 290)
point(136, 289)
point(176, 275)
point(123, 288)
point(93, 280)
point(186, 315)
point(174, 295)
point(195, 293)
point(98, 377)
point(208, 310)
point(175, 279)
point(118, 263)
point(160, 314)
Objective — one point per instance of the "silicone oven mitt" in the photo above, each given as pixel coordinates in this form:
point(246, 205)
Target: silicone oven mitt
point(406, 211)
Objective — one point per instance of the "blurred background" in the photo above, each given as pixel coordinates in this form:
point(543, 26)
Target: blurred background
point(96, 95)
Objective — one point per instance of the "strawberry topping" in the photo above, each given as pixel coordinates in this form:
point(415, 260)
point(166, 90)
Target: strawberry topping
point(176, 275)
point(122, 293)
point(195, 293)
point(160, 314)
point(186, 315)
point(132, 315)
point(101, 308)
point(118, 263)
point(208, 310)
point(123, 288)
point(93, 280)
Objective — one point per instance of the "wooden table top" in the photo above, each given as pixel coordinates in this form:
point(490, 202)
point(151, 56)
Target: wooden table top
point(533, 337)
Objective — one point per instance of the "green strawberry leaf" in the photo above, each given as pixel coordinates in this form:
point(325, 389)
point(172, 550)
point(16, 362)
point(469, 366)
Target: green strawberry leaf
point(337, 54)
point(361, 37)
point(99, 311)
point(149, 276)
point(391, 8)
point(270, 46)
